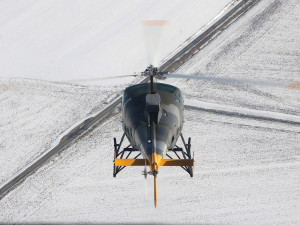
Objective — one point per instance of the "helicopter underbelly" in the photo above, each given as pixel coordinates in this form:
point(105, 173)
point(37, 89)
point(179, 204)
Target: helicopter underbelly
point(159, 143)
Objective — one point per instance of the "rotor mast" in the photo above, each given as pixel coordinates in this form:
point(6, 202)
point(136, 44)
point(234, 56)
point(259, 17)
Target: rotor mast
point(151, 71)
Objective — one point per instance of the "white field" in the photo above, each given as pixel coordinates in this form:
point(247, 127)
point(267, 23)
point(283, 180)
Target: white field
point(76, 39)
point(247, 164)
point(35, 114)
point(70, 40)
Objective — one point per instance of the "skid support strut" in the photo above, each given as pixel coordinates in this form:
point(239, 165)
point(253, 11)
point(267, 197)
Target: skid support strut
point(183, 153)
point(122, 154)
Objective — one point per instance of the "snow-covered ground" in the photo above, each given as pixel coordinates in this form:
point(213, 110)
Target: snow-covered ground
point(35, 113)
point(247, 164)
point(67, 40)
point(77, 39)
point(239, 178)
point(264, 48)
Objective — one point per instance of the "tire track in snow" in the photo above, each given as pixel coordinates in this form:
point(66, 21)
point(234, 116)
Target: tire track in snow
point(244, 113)
point(250, 168)
point(65, 139)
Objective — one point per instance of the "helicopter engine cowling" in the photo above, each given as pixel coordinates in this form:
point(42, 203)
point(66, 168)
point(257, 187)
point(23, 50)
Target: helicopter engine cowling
point(153, 107)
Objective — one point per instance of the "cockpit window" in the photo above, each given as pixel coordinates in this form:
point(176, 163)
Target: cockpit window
point(140, 89)
point(166, 87)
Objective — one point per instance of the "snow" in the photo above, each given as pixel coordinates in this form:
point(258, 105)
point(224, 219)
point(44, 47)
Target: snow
point(243, 112)
point(76, 39)
point(239, 178)
point(246, 141)
point(34, 114)
point(44, 41)
point(264, 48)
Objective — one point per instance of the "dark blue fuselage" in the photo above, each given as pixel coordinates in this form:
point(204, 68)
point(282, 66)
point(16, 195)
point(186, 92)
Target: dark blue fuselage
point(164, 133)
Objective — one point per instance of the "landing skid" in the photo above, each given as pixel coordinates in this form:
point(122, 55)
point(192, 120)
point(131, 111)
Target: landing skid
point(177, 151)
point(186, 154)
point(121, 160)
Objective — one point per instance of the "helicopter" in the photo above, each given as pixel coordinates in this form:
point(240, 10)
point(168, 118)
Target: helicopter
point(152, 120)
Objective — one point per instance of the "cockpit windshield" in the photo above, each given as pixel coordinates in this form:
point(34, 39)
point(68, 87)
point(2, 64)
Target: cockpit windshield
point(140, 89)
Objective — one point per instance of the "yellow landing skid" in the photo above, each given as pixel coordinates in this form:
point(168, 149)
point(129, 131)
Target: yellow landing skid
point(163, 162)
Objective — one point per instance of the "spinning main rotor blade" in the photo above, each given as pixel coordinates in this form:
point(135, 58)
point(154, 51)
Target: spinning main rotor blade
point(284, 84)
point(102, 78)
point(153, 30)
